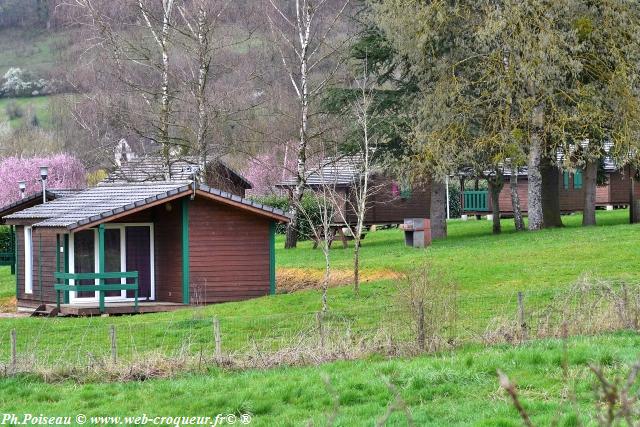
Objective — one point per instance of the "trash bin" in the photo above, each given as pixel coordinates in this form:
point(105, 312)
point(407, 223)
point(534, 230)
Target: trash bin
point(417, 232)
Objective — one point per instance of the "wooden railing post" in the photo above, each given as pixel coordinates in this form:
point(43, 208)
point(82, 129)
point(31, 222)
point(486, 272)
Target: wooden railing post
point(217, 337)
point(14, 350)
point(114, 348)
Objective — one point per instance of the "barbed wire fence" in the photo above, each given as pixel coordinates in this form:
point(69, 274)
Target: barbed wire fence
point(122, 347)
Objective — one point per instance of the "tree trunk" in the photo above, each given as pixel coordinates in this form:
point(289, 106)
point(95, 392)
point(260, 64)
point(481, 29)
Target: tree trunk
point(495, 187)
point(291, 239)
point(634, 209)
point(518, 222)
point(551, 213)
point(438, 210)
point(590, 177)
point(534, 175)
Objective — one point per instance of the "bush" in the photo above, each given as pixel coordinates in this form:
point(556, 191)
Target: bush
point(309, 203)
point(19, 83)
point(13, 110)
point(6, 239)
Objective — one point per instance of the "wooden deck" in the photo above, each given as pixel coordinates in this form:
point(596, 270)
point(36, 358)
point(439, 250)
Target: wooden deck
point(115, 308)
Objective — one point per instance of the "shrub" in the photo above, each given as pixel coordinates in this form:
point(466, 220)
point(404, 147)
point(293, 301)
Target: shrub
point(20, 83)
point(310, 204)
point(13, 110)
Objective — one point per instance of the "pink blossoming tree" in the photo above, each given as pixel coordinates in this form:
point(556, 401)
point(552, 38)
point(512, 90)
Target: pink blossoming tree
point(64, 172)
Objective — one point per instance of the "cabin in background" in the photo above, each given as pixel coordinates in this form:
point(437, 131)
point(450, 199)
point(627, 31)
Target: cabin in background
point(616, 192)
point(150, 168)
point(390, 202)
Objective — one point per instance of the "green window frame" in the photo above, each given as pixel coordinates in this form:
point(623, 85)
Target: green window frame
point(577, 179)
point(565, 179)
point(405, 191)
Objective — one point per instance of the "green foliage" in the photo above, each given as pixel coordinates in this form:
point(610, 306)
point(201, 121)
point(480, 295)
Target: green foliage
point(311, 206)
point(6, 239)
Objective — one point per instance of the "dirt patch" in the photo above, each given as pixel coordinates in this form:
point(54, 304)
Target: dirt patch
point(298, 279)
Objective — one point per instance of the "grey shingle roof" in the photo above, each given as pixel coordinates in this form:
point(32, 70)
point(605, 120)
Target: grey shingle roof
point(333, 171)
point(150, 168)
point(108, 199)
point(52, 194)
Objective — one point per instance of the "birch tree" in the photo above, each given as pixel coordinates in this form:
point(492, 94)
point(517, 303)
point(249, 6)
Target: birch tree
point(162, 32)
point(140, 60)
point(304, 45)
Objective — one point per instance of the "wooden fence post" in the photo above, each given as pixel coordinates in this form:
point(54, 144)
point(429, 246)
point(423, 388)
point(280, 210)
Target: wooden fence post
point(114, 348)
point(319, 321)
point(14, 350)
point(421, 332)
point(217, 336)
point(521, 316)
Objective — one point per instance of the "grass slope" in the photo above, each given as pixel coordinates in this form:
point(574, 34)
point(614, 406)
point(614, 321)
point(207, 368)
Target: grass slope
point(38, 104)
point(458, 388)
point(34, 51)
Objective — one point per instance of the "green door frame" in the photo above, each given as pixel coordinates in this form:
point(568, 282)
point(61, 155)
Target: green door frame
point(272, 258)
point(185, 251)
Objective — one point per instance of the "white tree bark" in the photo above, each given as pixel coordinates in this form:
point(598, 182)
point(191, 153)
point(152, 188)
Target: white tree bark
point(535, 213)
point(162, 40)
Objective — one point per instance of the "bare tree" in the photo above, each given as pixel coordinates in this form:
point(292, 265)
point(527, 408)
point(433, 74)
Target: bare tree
point(362, 187)
point(161, 34)
point(303, 42)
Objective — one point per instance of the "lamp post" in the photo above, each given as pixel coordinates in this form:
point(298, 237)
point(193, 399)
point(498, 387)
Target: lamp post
point(44, 174)
point(22, 185)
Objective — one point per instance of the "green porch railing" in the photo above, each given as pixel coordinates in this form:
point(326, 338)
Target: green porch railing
point(8, 258)
point(62, 285)
point(476, 201)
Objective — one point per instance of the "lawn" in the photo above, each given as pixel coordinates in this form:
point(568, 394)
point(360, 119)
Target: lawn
point(456, 388)
point(488, 269)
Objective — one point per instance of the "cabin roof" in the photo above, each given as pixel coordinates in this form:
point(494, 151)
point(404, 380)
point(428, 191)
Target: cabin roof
point(52, 194)
point(341, 171)
point(150, 168)
point(99, 204)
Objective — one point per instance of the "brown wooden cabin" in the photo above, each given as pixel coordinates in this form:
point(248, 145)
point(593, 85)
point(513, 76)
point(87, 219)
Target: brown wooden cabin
point(615, 193)
point(185, 243)
point(148, 168)
point(390, 200)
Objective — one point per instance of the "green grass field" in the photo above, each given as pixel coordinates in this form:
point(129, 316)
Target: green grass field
point(452, 388)
point(457, 388)
point(34, 51)
point(40, 105)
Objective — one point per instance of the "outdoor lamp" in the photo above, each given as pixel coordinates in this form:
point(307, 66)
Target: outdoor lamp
point(44, 174)
point(22, 185)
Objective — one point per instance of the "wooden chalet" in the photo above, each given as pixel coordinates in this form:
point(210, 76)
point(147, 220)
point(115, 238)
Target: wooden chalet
point(390, 202)
point(123, 247)
point(215, 173)
point(616, 192)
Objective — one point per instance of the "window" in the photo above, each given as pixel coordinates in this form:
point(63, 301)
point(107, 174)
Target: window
point(577, 180)
point(28, 260)
point(565, 179)
point(405, 191)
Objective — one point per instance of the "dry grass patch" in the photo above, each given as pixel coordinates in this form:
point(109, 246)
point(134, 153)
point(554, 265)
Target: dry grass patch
point(298, 279)
point(8, 305)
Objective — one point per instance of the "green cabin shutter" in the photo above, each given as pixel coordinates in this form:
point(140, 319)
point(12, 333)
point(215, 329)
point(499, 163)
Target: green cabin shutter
point(577, 179)
point(565, 180)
